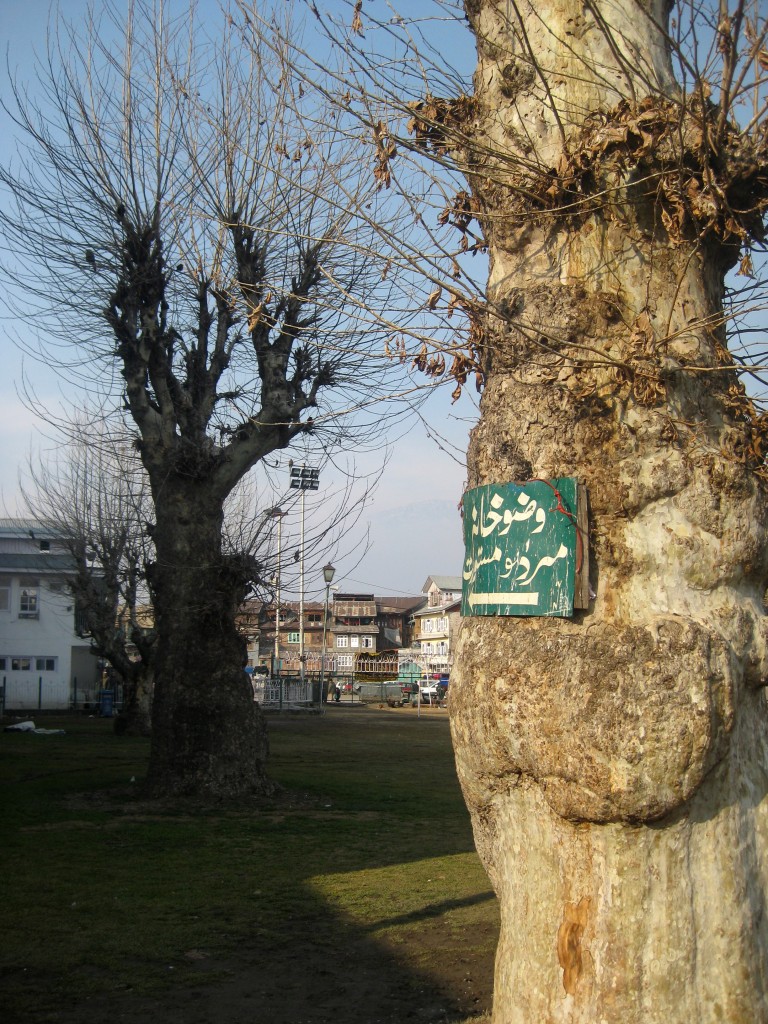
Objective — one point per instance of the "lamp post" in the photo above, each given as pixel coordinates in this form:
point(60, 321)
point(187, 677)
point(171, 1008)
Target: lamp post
point(277, 513)
point(328, 574)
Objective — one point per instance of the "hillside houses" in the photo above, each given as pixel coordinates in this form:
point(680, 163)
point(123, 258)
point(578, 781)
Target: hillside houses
point(360, 629)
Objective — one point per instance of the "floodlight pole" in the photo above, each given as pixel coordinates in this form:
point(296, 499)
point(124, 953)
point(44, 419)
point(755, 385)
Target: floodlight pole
point(301, 592)
point(304, 479)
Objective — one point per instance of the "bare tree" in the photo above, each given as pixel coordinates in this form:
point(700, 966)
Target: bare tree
point(172, 220)
point(94, 496)
point(91, 491)
point(615, 761)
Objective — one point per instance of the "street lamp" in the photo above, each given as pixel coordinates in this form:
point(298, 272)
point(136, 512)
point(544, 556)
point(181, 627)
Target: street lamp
point(277, 513)
point(328, 574)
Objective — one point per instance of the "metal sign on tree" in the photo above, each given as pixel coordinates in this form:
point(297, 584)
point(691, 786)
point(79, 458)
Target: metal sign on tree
point(525, 549)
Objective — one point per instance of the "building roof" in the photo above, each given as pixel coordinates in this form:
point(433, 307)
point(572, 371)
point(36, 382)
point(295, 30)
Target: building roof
point(31, 528)
point(38, 562)
point(440, 610)
point(400, 604)
point(443, 582)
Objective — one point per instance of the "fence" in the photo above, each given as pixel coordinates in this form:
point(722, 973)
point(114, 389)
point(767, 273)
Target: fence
point(279, 692)
point(36, 693)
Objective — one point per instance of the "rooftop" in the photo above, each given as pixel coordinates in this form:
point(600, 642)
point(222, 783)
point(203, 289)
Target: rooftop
point(38, 562)
point(443, 582)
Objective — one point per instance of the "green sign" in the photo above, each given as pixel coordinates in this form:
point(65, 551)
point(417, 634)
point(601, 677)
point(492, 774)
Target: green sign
point(521, 544)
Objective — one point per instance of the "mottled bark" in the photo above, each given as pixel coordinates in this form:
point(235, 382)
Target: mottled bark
point(615, 764)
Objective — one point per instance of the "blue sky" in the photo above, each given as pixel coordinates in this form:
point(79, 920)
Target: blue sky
point(413, 522)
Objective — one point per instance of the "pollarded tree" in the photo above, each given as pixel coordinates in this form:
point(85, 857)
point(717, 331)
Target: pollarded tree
point(92, 493)
point(616, 762)
point(172, 219)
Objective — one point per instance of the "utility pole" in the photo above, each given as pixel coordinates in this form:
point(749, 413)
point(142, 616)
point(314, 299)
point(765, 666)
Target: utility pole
point(277, 513)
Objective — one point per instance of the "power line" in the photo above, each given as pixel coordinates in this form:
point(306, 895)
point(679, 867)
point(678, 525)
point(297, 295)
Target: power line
point(377, 589)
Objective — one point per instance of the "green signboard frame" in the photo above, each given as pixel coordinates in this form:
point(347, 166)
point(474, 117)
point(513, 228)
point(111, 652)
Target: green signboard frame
point(523, 548)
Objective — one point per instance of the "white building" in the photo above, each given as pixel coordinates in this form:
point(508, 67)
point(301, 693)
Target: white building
point(44, 665)
point(435, 626)
point(442, 590)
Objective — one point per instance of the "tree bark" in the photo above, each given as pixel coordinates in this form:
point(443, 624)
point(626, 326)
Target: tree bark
point(615, 764)
point(208, 734)
point(135, 718)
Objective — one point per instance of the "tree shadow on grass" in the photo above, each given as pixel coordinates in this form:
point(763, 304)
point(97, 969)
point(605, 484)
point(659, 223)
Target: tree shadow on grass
point(322, 969)
point(377, 912)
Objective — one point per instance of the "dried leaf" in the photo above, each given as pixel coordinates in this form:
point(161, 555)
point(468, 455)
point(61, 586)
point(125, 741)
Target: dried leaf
point(420, 362)
point(254, 316)
point(745, 267)
point(385, 152)
point(436, 365)
point(434, 298)
point(357, 22)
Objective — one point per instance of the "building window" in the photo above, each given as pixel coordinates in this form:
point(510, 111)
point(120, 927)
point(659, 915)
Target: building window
point(21, 664)
point(367, 642)
point(344, 661)
point(45, 545)
point(5, 599)
point(45, 664)
point(2, 664)
point(354, 641)
point(28, 603)
point(342, 641)
point(293, 638)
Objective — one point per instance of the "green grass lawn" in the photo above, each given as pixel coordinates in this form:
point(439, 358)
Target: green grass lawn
point(104, 893)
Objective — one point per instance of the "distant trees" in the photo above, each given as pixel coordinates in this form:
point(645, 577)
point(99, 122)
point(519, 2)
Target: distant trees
point(192, 230)
point(94, 496)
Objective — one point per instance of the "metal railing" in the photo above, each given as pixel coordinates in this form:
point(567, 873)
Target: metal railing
point(279, 692)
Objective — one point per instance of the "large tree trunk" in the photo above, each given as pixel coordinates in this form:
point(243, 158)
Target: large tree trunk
point(615, 764)
point(208, 734)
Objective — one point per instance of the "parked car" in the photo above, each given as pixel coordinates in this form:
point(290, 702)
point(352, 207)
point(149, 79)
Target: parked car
point(433, 691)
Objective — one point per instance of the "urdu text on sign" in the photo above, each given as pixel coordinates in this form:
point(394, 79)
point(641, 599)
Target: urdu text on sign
point(521, 544)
